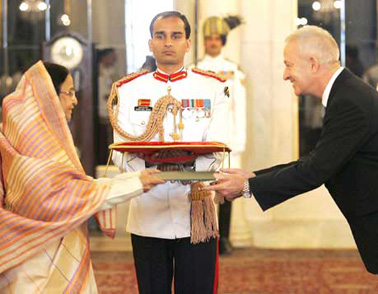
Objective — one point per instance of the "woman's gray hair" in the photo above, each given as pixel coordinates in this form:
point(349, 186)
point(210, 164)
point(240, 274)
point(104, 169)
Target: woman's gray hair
point(317, 41)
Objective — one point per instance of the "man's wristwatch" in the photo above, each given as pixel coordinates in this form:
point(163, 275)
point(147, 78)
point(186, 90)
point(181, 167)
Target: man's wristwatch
point(246, 192)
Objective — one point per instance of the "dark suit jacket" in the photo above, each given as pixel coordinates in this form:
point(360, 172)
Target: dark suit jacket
point(345, 159)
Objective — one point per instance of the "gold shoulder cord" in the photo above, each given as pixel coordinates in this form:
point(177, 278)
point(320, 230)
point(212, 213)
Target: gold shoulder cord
point(155, 122)
point(208, 73)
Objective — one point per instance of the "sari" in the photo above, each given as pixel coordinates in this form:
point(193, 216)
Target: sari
point(45, 196)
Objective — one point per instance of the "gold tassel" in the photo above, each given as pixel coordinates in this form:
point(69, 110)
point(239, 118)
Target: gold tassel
point(203, 219)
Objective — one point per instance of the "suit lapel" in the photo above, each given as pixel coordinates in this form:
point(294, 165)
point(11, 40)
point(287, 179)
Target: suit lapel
point(340, 80)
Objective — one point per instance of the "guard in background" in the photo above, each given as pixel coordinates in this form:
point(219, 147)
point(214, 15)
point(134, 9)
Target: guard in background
point(107, 73)
point(215, 31)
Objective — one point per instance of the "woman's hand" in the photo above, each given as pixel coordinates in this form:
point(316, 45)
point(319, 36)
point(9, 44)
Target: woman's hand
point(149, 180)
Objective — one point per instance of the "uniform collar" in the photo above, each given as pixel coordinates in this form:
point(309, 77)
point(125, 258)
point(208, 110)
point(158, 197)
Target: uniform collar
point(163, 77)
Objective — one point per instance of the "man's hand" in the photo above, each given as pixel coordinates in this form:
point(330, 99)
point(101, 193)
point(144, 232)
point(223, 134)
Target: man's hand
point(244, 173)
point(149, 180)
point(230, 184)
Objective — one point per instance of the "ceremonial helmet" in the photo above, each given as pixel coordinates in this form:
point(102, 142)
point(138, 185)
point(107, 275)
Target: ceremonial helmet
point(215, 25)
point(221, 26)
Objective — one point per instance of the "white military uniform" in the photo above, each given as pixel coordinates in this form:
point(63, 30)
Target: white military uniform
point(237, 116)
point(164, 212)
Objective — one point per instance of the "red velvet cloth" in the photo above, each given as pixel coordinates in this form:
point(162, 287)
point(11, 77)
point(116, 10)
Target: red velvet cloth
point(152, 147)
point(192, 149)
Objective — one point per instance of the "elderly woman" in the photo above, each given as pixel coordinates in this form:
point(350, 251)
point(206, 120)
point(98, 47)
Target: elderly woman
point(45, 195)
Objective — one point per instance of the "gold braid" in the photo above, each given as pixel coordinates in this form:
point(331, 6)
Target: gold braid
point(155, 121)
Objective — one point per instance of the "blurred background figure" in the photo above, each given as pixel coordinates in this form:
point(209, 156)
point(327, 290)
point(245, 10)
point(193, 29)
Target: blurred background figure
point(353, 61)
point(371, 76)
point(149, 64)
point(215, 31)
point(107, 74)
point(371, 73)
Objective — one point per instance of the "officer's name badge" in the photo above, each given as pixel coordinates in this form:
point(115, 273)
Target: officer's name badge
point(143, 105)
point(196, 108)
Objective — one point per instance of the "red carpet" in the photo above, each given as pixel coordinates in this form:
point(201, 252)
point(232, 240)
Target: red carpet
point(255, 271)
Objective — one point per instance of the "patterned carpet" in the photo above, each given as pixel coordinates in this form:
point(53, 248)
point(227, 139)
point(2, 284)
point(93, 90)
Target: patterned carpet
point(256, 271)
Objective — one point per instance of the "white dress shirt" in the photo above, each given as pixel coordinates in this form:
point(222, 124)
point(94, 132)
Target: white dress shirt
point(328, 88)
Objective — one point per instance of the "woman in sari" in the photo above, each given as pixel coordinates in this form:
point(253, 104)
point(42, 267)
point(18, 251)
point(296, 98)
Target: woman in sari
point(45, 195)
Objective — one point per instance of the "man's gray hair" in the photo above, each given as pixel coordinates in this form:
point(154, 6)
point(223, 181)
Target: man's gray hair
point(317, 41)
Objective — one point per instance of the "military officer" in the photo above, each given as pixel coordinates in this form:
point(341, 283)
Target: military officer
point(215, 31)
point(159, 220)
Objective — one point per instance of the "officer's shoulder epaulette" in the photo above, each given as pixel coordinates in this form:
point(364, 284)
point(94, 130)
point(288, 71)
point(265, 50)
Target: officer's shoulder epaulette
point(208, 73)
point(130, 77)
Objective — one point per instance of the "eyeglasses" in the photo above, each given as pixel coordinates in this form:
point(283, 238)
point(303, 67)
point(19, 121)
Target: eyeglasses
point(70, 93)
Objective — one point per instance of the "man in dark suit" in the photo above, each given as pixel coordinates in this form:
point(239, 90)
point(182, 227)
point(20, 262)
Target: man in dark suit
point(345, 158)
